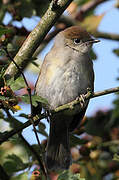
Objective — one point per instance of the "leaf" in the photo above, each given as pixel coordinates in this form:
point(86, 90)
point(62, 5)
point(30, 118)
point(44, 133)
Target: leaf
point(22, 176)
point(24, 115)
point(14, 123)
point(35, 99)
point(74, 140)
point(69, 176)
point(3, 134)
point(81, 2)
point(14, 164)
point(116, 51)
point(2, 98)
point(37, 149)
point(41, 129)
point(1, 115)
point(4, 30)
point(16, 84)
point(92, 22)
point(2, 52)
point(116, 157)
point(93, 55)
point(17, 107)
point(42, 7)
point(22, 6)
point(72, 8)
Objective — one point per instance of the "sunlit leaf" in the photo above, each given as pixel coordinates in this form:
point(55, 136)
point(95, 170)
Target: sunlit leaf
point(92, 22)
point(16, 84)
point(17, 107)
point(81, 2)
point(72, 7)
point(116, 157)
point(22, 176)
point(14, 164)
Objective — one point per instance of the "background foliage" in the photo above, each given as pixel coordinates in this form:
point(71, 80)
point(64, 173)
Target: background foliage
point(95, 145)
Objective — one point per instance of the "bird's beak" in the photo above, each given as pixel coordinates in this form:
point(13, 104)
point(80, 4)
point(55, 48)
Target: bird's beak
point(94, 40)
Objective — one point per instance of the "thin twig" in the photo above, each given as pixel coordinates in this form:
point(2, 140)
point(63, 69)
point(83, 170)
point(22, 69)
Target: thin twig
point(19, 129)
point(60, 108)
point(34, 39)
point(86, 8)
point(34, 152)
point(89, 95)
point(31, 106)
point(105, 35)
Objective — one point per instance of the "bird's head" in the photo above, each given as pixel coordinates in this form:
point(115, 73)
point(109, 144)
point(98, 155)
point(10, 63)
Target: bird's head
point(77, 38)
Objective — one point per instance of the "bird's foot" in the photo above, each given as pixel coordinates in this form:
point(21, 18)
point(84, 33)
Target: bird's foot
point(81, 99)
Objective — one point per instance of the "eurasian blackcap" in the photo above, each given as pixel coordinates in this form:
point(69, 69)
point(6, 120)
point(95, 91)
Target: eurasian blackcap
point(66, 73)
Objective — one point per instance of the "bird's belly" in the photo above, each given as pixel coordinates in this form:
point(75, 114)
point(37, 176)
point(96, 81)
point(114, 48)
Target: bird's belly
point(67, 87)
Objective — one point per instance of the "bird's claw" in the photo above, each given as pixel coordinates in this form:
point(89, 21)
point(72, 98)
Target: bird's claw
point(81, 98)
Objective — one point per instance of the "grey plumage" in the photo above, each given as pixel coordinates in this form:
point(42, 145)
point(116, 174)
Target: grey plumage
point(66, 73)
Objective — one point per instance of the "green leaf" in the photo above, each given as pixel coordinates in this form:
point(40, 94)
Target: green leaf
point(1, 115)
point(2, 52)
point(116, 157)
point(4, 30)
point(24, 115)
point(25, 4)
point(14, 123)
point(75, 140)
point(92, 22)
point(16, 84)
point(2, 98)
point(116, 51)
point(2, 71)
point(14, 164)
point(81, 2)
point(35, 99)
point(93, 55)
point(37, 149)
point(67, 175)
point(41, 129)
point(23, 176)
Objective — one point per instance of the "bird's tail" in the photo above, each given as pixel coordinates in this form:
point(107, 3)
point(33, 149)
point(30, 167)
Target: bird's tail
point(58, 151)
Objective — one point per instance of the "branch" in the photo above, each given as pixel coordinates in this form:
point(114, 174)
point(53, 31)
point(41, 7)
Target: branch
point(89, 95)
point(19, 129)
point(34, 152)
point(63, 22)
point(36, 36)
point(105, 35)
point(68, 106)
point(31, 107)
point(86, 8)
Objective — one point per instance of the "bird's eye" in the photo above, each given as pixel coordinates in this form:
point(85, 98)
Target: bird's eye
point(77, 41)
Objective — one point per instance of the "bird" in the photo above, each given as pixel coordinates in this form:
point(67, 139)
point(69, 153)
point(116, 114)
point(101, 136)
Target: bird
point(66, 73)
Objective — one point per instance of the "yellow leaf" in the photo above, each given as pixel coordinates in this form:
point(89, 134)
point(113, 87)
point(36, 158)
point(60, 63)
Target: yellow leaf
point(72, 8)
point(92, 22)
point(17, 107)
